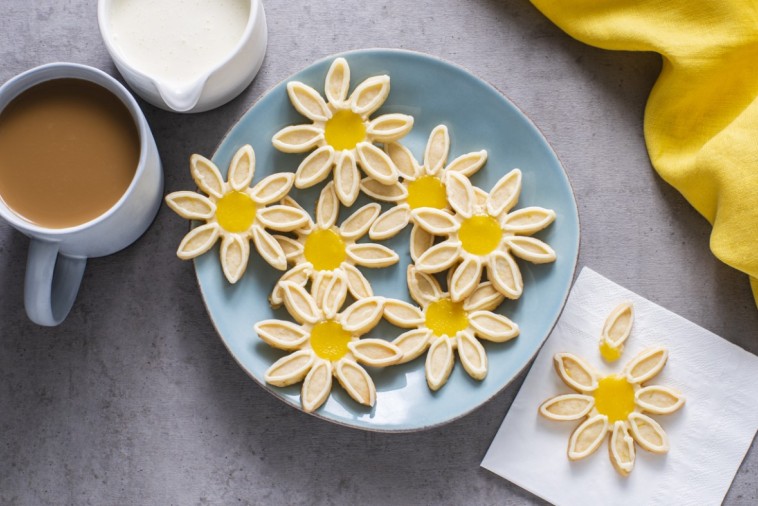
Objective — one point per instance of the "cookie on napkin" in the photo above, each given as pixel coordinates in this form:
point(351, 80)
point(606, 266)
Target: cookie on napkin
point(709, 436)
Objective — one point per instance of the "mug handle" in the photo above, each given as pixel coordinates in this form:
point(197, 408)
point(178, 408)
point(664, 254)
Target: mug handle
point(52, 282)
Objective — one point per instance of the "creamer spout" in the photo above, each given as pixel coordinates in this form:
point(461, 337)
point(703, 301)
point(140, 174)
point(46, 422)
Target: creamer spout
point(181, 97)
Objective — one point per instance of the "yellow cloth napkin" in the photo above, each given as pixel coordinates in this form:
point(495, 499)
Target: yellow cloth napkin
point(701, 120)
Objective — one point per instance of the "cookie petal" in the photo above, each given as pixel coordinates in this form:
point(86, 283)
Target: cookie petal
point(505, 194)
point(357, 283)
point(437, 149)
point(191, 205)
point(356, 381)
point(298, 275)
point(403, 160)
point(567, 407)
point(316, 386)
point(439, 257)
point(376, 164)
point(272, 188)
point(235, 252)
point(292, 248)
point(308, 227)
point(485, 297)
point(362, 315)
point(370, 95)
point(300, 304)
point(460, 194)
point(621, 449)
point(206, 176)
point(587, 437)
point(334, 296)
point(360, 221)
point(337, 81)
point(389, 127)
point(375, 352)
point(472, 355)
point(290, 369)
point(505, 274)
point(390, 223)
point(423, 288)
point(281, 334)
point(659, 400)
point(327, 207)
point(646, 365)
point(347, 179)
point(242, 168)
point(269, 249)
point(320, 281)
point(282, 218)
point(371, 255)
point(575, 372)
point(439, 362)
point(468, 164)
point(435, 221)
point(466, 277)
point(528, 220)
point(402, 314)
point(530, 249)
point(198, 241)
point(413, 343)
point(308, 101)
point(492, 326)
point(421, 241)
point(617, 326)
point(648, 433)
point(298, 138)
point(315, 167)
point(394, 192)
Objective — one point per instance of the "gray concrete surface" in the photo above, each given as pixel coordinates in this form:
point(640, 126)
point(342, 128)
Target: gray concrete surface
point(134, 400)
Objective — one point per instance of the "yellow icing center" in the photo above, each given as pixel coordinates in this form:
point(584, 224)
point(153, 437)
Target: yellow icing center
point(480, 234)
point(329, 340)
point(235, 211)
point(446, 318)
point(344, 130)
point(325, 249)
point(608, 352)
point(427, 191)
point(614, 398)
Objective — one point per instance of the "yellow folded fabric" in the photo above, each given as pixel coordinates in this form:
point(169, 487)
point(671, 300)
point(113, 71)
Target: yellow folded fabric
point(701, 120)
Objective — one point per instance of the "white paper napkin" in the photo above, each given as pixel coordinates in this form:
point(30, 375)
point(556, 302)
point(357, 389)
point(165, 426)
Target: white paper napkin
point(709, 436)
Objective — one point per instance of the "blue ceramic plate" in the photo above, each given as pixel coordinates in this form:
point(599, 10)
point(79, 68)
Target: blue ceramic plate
point(478, 117)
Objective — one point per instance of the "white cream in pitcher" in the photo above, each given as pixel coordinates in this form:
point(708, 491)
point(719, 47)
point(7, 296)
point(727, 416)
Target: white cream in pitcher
point(177, 41)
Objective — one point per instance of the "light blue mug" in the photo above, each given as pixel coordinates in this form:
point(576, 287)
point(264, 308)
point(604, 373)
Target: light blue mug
point(57, 257)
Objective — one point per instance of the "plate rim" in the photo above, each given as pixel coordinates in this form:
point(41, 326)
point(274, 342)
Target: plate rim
point(564, 298)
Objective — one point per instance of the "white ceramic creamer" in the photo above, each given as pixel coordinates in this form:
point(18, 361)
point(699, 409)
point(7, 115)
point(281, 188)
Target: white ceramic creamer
point(185, 55)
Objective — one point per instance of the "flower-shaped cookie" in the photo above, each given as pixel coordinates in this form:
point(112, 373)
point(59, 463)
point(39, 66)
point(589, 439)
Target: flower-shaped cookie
point(236, 213)
point(483, 233)
point(442, 326)
point(325, 342)
point(422, 186)
point(614, 404)
point(323, 250)
point(342, 133)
